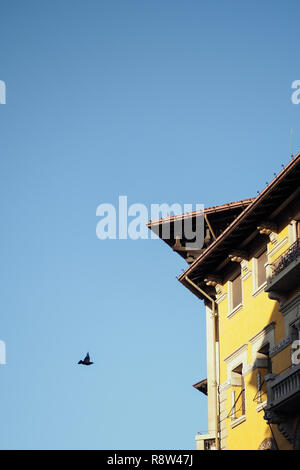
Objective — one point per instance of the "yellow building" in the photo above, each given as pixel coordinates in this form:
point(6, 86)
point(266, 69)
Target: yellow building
point(248, 274)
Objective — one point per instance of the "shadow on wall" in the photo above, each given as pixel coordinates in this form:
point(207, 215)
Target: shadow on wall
point(283, 430)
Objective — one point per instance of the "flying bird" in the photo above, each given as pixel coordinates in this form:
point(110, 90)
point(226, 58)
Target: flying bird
point(86, 361)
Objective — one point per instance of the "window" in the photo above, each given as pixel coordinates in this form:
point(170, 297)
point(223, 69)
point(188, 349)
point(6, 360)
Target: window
point(263, 353)
point(234, 293)
point(236, 285)
point(265, 367)
point(261, 269)
point(238, 394)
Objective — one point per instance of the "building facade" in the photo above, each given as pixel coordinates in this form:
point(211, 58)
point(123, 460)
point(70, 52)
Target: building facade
point(248, 274)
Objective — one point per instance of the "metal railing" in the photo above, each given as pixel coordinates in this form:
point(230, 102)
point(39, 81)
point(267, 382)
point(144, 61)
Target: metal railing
point(286, 258)
point(283, 386)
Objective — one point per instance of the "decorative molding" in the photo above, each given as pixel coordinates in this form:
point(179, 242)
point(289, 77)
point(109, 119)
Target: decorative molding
point(244, 266)
point(239, 356)
point(238, 421)
point(260, 339)
point(268, 444)
point(223, 400)
point(245, 271)
point(283, 422)
point(261, 335)
point(259, 289)
point(277, 247)
point(278, 296)
point(266, 228)
point(260, 363)
point(221, 298)
point(257, 364)
point(292, 228)
point(261, 406)
point(278, 347)
point(273, 238)
point(248, 368)
point(234, 311)
point(238, 256)
point(219, 289)
point(243, 278)
point(212, 280)
point(224, 386)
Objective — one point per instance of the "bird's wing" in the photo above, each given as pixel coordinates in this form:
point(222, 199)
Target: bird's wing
point(87, 358)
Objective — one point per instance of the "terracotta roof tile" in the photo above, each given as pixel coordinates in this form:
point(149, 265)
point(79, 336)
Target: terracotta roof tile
point(208, 210)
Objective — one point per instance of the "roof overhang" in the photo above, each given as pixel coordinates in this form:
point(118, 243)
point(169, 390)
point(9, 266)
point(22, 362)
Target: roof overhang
point(216, 219)
point(201, 386)
point(284, 188)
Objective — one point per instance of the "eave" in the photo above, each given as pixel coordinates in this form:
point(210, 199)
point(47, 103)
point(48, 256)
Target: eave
point(201, 386)
point(216, 219)
point(266, 206)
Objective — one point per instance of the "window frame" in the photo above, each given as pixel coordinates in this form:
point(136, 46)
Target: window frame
point(238, 392)
point(234, 309)
point(257, 288)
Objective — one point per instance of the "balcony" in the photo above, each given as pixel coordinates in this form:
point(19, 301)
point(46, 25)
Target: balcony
point(283, 393)
point(284, 390)
point(284, 272)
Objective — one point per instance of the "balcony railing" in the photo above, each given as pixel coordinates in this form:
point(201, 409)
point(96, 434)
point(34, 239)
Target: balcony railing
point(283, 400)
point(286, 258)
point(284, 389)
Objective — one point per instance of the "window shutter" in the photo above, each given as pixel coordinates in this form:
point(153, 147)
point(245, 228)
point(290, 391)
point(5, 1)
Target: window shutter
point(236, 291)
point(261, 270)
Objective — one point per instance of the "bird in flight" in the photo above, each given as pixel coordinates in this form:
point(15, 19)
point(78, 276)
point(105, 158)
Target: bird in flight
point(86, 361)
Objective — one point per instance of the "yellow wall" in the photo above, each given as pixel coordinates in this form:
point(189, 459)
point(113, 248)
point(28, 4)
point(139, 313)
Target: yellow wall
point(255, 314)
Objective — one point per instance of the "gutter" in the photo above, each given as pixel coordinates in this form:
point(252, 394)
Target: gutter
point(214, 379)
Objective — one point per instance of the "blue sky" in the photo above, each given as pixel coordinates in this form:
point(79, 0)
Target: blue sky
point(161, 101)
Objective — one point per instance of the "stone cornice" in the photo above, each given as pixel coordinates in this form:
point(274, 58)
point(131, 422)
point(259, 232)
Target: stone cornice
point(236, 353)
point(262, 333)
point(280, 346)
point(277, 247)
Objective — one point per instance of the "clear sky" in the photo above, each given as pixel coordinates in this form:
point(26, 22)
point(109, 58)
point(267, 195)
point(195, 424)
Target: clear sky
point(159, 100)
